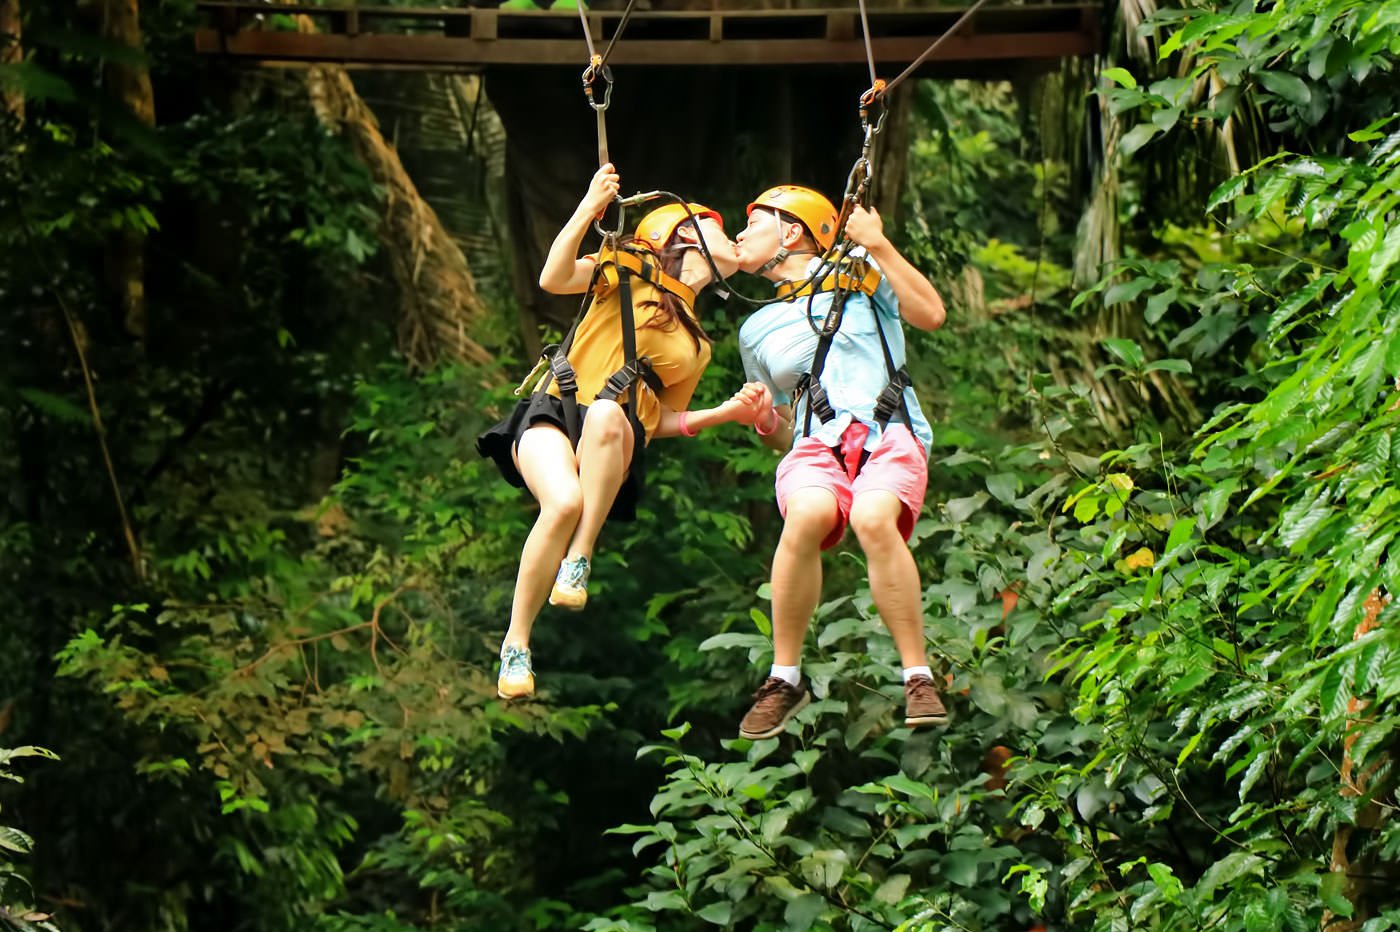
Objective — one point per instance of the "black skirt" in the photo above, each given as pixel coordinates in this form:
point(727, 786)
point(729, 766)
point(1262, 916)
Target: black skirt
point(497, 444)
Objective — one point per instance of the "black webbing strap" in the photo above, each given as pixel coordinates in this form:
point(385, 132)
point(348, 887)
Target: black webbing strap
point(638, 370)
point(810, 381)
point(892, 395)
point(560, 370)
point(629, 332)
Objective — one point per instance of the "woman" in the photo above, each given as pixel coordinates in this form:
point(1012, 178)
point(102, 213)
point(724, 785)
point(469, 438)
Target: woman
point(578, 487)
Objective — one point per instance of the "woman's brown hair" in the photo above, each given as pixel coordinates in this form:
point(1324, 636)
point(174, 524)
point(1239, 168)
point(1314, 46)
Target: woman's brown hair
point(673, 311)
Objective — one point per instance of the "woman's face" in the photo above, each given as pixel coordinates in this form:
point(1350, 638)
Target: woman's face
point(725, 254)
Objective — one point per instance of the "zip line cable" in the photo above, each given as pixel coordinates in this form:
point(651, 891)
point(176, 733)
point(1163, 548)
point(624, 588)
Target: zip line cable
point(858, 181)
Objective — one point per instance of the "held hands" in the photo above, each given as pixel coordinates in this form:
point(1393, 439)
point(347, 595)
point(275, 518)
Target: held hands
point(865, 228)
point(601, 190)
point(753, 403)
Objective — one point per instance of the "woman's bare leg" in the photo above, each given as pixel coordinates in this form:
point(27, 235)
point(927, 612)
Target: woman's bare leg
point(604, 453)
point(546, 460)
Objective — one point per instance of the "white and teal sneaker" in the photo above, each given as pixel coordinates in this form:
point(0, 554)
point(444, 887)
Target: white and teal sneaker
point(517, 678)
point(571, 585)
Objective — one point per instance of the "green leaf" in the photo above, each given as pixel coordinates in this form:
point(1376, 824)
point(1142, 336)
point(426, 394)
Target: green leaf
point(1168, 365)
point(717, 913)
point(1004, 486)
point(1137, 137)
point(960, 867)
point(730, 639)
point(1126, 350)
point(1288, 86)
point(960, 509)
point(1123, 292)
point(1120, 76)
point(55, 406)
point(15, 840)
point(893, 889)
point(1158, 304)
point(1332, 893)
point(803, 912)
point(900, 783)
point(1178, 536)
point(761, 622)
point(1384, 257)
point(1227, 191)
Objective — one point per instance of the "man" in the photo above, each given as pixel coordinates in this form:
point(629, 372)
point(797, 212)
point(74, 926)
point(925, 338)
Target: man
point(851, 457)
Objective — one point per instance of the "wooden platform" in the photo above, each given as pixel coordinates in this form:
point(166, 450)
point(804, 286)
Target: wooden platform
point(478, 38)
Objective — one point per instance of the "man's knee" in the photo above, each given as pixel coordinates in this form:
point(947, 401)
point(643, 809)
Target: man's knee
point(875, 520)
point(810, 514)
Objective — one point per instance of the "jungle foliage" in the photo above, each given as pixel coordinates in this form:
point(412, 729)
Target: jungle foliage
point(1158, 554)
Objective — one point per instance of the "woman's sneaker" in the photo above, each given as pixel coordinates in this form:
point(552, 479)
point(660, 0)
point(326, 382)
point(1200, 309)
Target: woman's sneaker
point(774, 705)
point(517, 678)
point(571, 585)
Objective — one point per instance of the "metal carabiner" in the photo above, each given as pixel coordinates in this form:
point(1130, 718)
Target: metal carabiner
point(597, 69)
point(871, 97)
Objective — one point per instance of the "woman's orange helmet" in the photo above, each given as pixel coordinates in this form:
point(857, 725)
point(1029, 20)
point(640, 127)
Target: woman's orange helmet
point(656, 228)
point(811, 207)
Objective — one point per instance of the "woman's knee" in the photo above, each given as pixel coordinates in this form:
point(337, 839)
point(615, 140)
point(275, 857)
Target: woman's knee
point(606, 422)
point(563, 505)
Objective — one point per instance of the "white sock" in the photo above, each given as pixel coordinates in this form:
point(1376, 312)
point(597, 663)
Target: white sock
point(793, 675)
point(910, 672)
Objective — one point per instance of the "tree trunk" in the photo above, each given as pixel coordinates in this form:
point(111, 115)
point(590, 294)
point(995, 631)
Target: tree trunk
point(439, 300)
point(438, 292)
point(11, 53)
point(131, 84)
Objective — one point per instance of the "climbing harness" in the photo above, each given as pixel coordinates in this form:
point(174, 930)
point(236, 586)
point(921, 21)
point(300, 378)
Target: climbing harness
point(841, 274)
point(837, 271)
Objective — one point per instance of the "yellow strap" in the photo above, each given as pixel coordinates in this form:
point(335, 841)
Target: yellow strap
point(854, 276)
point(647, 271)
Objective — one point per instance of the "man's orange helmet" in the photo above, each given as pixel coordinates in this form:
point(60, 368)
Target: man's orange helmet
point(657, 227)
point(811, 207)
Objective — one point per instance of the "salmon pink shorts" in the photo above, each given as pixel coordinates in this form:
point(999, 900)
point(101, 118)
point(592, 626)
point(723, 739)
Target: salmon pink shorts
point(898, 465)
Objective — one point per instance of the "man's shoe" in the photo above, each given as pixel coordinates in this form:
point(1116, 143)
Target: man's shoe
point(775, 703)
point(571, 585)
point(922, 707)
point(517, 678)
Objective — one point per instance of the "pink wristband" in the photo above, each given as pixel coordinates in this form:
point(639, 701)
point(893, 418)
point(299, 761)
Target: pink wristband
point(764, 433)
point(684, 427)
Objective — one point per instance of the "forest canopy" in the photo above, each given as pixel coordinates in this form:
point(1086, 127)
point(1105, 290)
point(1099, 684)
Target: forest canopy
point(252, 320)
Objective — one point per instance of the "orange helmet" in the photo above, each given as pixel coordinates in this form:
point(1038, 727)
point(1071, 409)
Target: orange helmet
point(811, 207)
point(656, 228)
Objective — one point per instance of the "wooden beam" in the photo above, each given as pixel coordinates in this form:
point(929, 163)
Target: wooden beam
point(470, 54)
point(476, 38)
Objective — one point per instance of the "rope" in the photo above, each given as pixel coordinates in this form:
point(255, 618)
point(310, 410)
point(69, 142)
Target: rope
point(593, 56)
point(598, 67)
point(621, 25)
point(931, 49)
point(869, 53)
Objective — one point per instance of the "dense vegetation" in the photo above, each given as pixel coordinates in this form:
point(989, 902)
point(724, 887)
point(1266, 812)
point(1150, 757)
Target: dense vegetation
point(257, 577)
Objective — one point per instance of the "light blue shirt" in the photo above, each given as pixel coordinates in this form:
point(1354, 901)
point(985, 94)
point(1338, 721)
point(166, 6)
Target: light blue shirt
point(778, 346)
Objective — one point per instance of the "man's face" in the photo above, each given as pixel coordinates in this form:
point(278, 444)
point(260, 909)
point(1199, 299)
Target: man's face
point(760, 240)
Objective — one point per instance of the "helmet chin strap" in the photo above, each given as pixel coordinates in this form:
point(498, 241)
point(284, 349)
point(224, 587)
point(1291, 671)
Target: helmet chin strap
point(783, 252)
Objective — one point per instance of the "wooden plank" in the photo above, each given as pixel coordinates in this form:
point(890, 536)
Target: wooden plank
point(431, 50)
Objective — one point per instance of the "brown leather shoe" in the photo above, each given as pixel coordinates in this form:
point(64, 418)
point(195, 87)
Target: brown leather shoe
point(922, 707)
point(775, 703)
